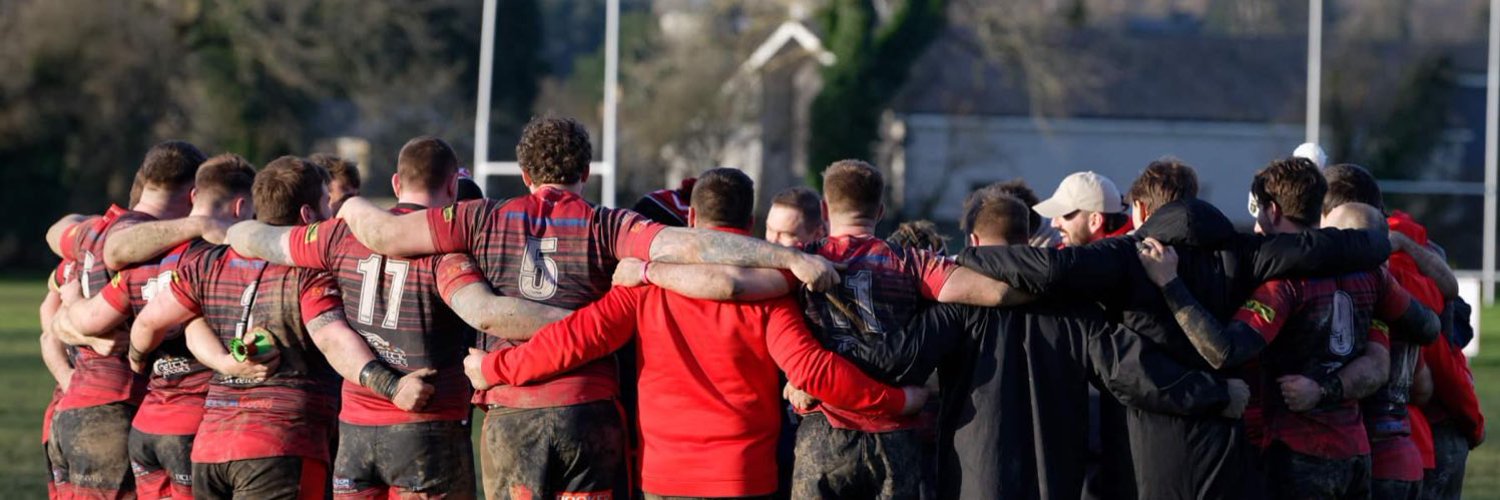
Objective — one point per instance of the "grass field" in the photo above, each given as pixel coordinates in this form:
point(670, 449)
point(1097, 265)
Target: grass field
point(26, 387)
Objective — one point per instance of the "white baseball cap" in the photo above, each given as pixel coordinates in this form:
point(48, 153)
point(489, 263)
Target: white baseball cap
point(1082, 191)
point(1313, 152)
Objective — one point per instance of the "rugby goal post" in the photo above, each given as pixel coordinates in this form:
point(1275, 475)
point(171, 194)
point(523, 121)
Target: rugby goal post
point(603, 170)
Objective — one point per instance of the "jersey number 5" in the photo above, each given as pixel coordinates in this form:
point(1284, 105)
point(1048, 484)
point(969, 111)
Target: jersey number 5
point(538, 270)
point(370, 273)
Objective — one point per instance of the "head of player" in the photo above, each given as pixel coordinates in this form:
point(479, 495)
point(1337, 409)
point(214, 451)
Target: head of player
point(343, 175)
point(290, 191)
point(1355, 215)
point(1287, 196)
point(166, 179)
point(554, 151)
point(852, 191)
point(993, 217)
point(722, 198)
point(1162, 182)
point(922, 234)
point(1086, 207)
point(426, 172)
point(223, 188)
point(795, 218)
point(1350, 183)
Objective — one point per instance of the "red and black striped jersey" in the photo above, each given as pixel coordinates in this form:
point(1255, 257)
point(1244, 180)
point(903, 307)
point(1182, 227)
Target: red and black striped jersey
point(884, 285)
point(98, 379)
point(178, 382)
point(396, 305)
point(551, 247)
point(668, 206)
point(292, 411)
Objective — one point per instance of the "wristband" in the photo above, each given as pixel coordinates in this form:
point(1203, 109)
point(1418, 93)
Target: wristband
point(646, 273)
point(1332, 389)
point(377, 377)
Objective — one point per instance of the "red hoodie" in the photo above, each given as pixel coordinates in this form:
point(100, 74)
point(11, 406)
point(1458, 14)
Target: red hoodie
point(710, 392)
point(1453, 384)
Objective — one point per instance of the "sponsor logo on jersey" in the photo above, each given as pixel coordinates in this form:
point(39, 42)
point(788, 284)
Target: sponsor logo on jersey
point(312, 233)
point(1260, 309)
point(448, 213)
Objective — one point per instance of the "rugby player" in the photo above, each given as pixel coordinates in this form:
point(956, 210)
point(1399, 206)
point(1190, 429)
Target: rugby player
point(1086, 207)
point(344, 181)
point(668, 206)
point(795, 218)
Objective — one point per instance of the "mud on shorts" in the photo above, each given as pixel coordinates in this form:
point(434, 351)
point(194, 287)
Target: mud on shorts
point(274, 477)
point(1452, 449)
point(567, 452)
point(1295, 475)
point(840, 463)
point(162, 465)
point(88, 450)
point(433, 458)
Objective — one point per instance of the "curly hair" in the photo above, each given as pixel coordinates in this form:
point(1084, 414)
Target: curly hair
point(919, 234)
point(555, 150)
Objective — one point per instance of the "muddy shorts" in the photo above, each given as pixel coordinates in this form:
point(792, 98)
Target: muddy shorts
point(432, 458)
point(572, 451)
point(1386, 489)
point(89, 451)
point(1452, 450)
point(162, 465)
point(840, 463)
point(1295, 475)
point(276, 477)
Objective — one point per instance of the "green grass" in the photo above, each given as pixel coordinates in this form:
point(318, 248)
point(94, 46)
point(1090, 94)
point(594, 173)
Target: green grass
point(27, 386)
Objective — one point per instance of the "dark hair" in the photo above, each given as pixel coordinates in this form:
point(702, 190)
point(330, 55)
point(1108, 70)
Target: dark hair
point(466, 189)
point(339, 168)
point(1348, 183)
point(853, 187)
point(426, 163)
point(1017, 187)
point(724, 197)
point(919, 234)
point(992, 213)
point(225, 176)
point(805, 201)
point(555, 150)
point(1295, 185)
point(284, 187)
point(171, 165)
point(1164, 181)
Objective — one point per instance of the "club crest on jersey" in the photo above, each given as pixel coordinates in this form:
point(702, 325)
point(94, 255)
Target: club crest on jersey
point(1265, 312)
point(1341, 325)
point(312, 233)
point(448, 213)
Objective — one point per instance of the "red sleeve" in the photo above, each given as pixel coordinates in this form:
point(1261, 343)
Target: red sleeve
point(586, 335)
point(117, 293)
point(60, 275)
point(1380, 333)
point(1393, 298)
point(453, 226)
point(628, 234)
point(1453, 386)
point(319, 294)
point(185, 280)
point(1268, 308)
point(455, 271)
point(313, 246)
point(932, 272)
point(71, 239)
point(819, 371)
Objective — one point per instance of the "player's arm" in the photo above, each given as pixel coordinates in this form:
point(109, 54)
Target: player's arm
point(698, 246)
point(1421, 384)
point(350, 356)
point(262, 241)
point(1219, 344)
point(825, 375)
point(1320, 252)
point(385, 233)
point(965, 286)
point(590, 333)
point(90, 321)
point(1409, 319)
point(162, 314)
point(206, 347)
point(132, 242)
point(1430, 263)
point(59, 229)
point(54, 352)
point(1090, 272)
point(705, 281)
point(1140, 375)
point(466, 292)
point(1354, 381)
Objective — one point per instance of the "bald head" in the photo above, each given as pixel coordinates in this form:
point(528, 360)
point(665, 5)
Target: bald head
point(1355, 216)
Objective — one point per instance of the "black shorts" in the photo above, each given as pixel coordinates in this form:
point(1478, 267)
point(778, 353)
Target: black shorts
point(275, 477)
point(840, 463)
point(162, 465)
point(575, 451)
point(1387, 489)
point(434, 458)
point(1295, 475)
point(1446, 482)
point(88, 450)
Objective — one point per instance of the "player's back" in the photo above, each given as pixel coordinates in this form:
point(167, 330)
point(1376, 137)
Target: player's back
point(395, 305)
point(98, 378)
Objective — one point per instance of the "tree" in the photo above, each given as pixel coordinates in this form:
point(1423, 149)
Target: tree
point(871, 66)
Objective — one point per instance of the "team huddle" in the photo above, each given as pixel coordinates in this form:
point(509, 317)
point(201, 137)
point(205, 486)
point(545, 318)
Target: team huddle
point(267, 333)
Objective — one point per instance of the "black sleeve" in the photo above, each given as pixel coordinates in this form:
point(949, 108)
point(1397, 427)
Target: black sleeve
point(1320, 252)
point(1089, 272)
point(908, 356)
point(1140, 375)
point(653, 210)
point(1417, 325)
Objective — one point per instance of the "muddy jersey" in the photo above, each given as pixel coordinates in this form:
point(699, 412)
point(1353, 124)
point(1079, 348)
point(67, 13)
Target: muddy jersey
point(98, 379)
point(1314, 328)
point(883, 286)
point(396, 306)
point(178, 382)
point(291, 412)
point(551, 247)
